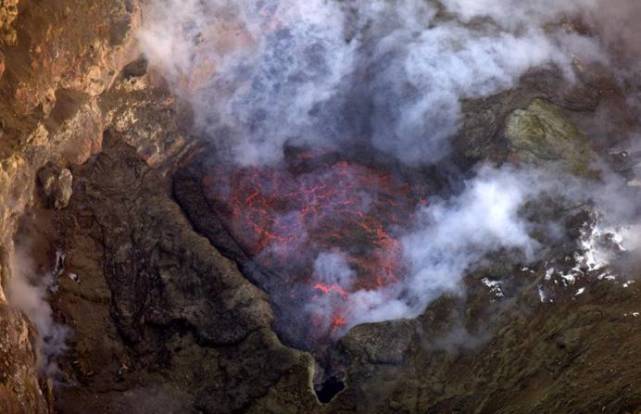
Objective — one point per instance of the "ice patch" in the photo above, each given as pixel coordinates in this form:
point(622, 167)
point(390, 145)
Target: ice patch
point(569, 279)
point(542, 295)
point(606, 276)
point(549, 273)
point(598, 244)
point(494, 287)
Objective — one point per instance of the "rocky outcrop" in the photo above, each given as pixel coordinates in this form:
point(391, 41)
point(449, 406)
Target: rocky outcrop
point(55, 61)
point(56, 184)
point(482, 353)
point(541, 133)
point(8, 13)
point(20, 388)
point(485, 136)
point(187, 318)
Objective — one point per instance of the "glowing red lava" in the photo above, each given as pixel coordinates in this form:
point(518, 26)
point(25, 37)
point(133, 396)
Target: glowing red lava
point(327, 289)
point(285, 216)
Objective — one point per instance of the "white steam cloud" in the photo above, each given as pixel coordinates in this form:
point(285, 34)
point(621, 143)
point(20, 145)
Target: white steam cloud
point(388, 76)
point(29, 290)
point(452, 235)
point(384, 74)
point(333, 269)
point(515, 13)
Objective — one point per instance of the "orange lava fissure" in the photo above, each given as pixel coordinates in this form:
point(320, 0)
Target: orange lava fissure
point(285, 218)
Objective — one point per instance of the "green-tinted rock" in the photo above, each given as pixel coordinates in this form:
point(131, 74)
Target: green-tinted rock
point(541, 133)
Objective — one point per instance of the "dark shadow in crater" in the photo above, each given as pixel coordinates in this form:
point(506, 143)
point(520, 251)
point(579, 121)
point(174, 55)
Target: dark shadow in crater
point(328, 389)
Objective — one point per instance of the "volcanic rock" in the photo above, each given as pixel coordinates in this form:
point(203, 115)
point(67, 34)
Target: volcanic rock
point(541, 133)
point(426, 365)
point(8, 13)
point(20, 391)
point(2, 65)
point(384, 343)
point(42, 55)
point(56, 185)
point(178, 305)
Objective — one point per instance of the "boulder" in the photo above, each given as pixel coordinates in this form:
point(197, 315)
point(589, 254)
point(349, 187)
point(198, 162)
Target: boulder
point(8, 13)
point(56, 185)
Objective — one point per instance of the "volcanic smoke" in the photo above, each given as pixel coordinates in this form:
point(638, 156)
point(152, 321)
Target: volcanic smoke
point(292, 93)
point(325, 227)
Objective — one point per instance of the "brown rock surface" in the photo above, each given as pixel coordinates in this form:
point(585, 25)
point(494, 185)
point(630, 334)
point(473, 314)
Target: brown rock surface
point(176, 313)
point(56, 184)
point(2, 65)
point(48, 50)
point(8, 13)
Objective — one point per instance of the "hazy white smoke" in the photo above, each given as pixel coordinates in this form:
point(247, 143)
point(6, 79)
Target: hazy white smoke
point(29, 291)
point(515, 13)
point(331, 268)
point(617, 23)
point(390, 75)
point(384, 75)
point(451, 236)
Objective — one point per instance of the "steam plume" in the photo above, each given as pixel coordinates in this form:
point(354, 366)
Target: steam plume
point(386, 77)
point(29, 291)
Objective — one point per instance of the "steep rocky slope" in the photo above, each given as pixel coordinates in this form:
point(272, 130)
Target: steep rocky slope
point(56, 58)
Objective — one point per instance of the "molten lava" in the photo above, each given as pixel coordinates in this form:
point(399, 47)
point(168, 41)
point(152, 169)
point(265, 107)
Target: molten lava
point(285, 216)
point(327, 289)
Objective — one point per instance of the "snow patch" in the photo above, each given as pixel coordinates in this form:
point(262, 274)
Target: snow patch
point(494, 286)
